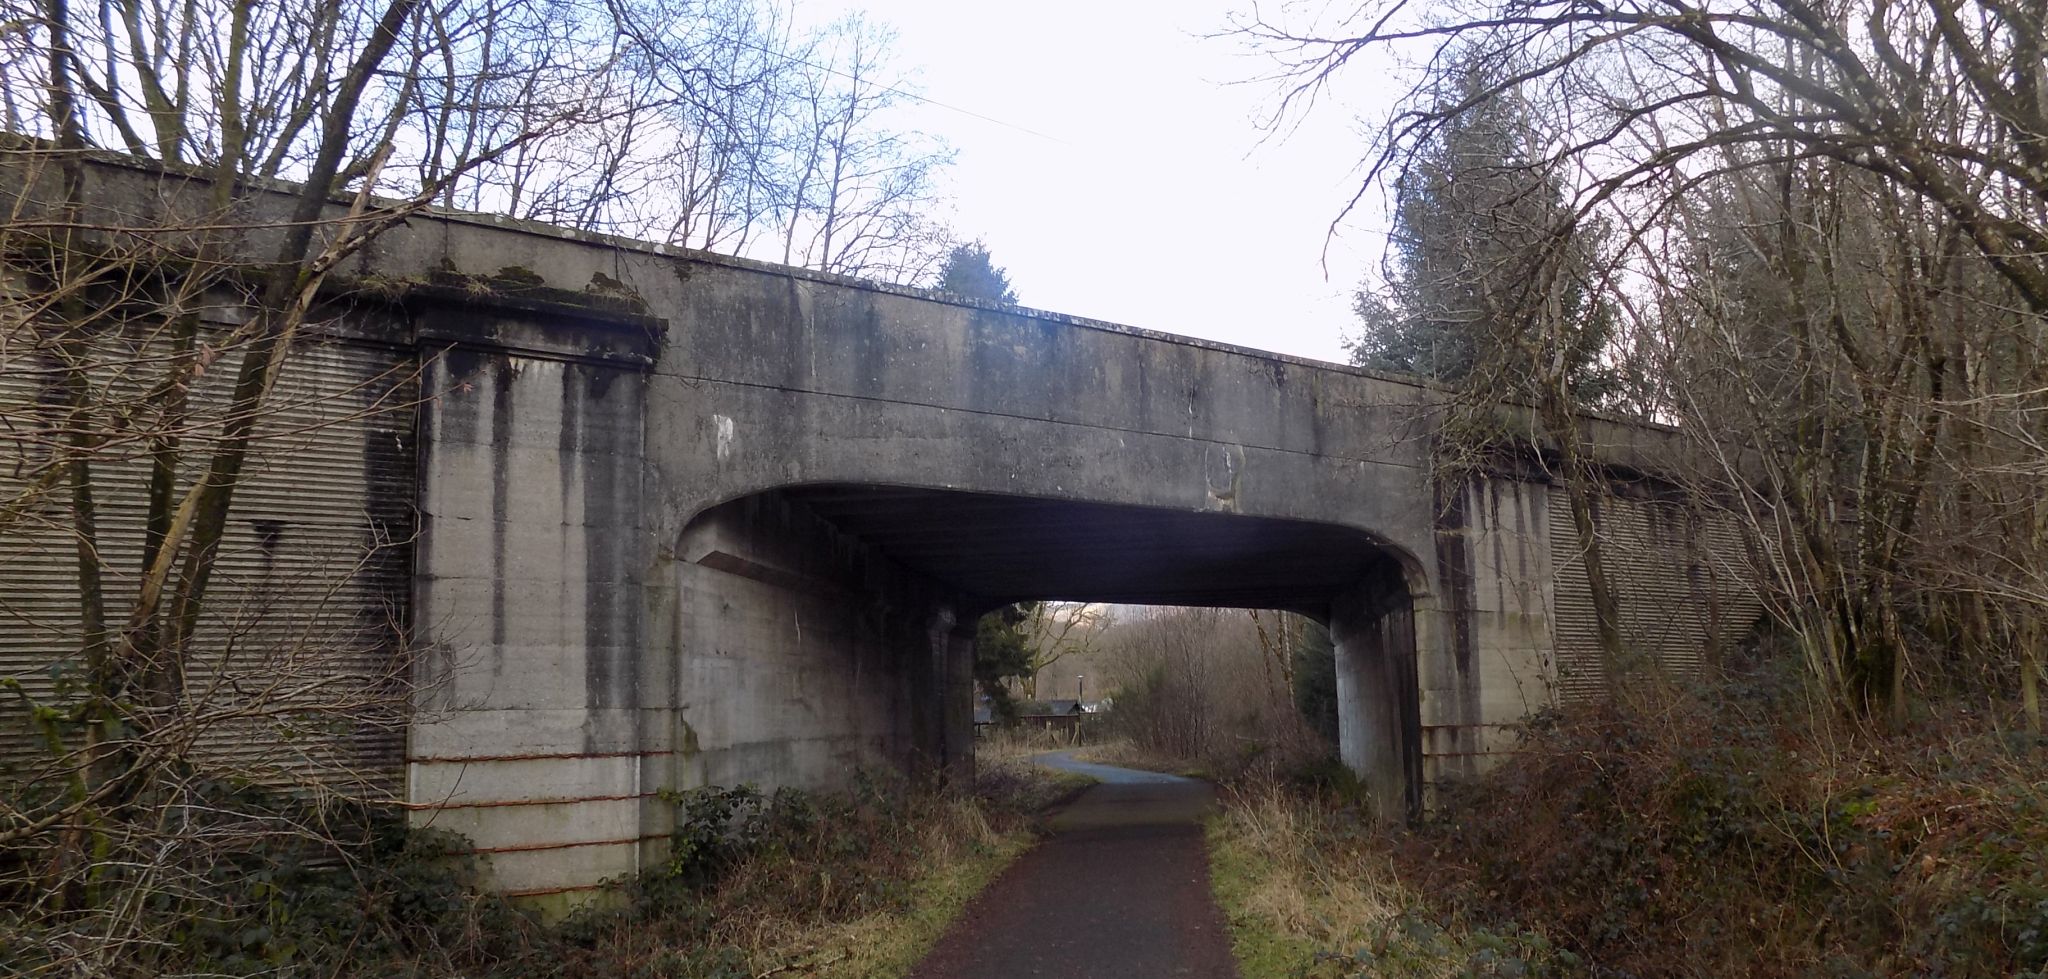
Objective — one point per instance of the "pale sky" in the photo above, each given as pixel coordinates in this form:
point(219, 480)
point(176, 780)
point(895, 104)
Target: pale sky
point(1152, 203)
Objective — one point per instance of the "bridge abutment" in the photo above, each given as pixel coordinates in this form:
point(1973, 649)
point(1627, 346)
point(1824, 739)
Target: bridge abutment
point(805, 655)
point(1485, 633)
point(533, 700)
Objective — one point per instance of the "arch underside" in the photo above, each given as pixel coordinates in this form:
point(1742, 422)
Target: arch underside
point(808, 599)
point(1002, 549)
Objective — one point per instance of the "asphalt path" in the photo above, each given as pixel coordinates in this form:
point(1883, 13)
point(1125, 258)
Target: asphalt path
point(1120, 890)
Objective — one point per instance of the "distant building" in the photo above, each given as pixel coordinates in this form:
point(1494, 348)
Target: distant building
point(1053, 708)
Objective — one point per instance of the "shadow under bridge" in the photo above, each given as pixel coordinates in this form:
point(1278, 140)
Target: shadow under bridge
point(979, 551)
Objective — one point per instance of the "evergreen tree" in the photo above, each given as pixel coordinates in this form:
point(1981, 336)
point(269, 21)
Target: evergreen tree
point(1002, 652)
point(1492, 288)
point(1315, 680)
point(1478, 224)
point(971, 273)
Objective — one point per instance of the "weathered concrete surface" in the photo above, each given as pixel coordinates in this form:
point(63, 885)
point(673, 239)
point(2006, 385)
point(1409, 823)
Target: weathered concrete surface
point(801, 653)
point(689, 519)
point(530, 582)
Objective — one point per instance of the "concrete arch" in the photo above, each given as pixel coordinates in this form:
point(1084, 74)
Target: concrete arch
point(1413, 569)
point(743, 382)
point(897, 575)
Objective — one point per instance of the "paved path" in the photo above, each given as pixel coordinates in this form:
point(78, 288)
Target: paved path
point(1119, 891)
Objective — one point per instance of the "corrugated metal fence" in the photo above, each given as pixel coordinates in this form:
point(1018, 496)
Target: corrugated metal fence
point(1680, 581)
point(298, 672)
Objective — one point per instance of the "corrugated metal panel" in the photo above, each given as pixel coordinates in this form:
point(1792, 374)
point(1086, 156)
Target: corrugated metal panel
point(298, 659)
point(1679, 579)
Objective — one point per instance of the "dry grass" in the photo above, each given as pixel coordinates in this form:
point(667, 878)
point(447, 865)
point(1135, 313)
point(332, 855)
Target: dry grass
point(1025, 786)
point(846, 891)
point(961, 848)
point(960, 844)
point(1310, 892)
point(1731, 831)
point(840, 885)
point(1718, 832)
point(1003, 744)
point(1126, 753)
point(1290, 881)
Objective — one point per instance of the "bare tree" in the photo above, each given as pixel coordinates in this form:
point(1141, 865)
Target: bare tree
point(162, 353)
point(1196, 685)
point(1828, 216)
point(171, 351)
point(861, 198)
point(1055, 631)
point(707, 123)
point(1491, 287)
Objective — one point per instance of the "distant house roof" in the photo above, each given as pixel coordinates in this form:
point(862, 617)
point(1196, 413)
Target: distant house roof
point(1059, 707)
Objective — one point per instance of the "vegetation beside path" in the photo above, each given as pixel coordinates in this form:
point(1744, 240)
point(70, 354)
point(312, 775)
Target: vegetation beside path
point(853, 887)
point(842, 885)
point(856, 887)
point(1735, 830)
point(1312, 892)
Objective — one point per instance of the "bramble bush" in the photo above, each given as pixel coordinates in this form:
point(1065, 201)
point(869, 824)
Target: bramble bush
point(1736, 831)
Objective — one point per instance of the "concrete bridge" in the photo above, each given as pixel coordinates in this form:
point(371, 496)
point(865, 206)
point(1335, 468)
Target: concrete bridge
point(684, 519)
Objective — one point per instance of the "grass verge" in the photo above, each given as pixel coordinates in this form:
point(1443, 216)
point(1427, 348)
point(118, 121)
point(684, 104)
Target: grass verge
point(1734, 829)
point(853, 885)
point(1125, 753)
point(1725, 830)
point(892, 944)
point(890, 941)
point(859, 891)
point(1311, 893)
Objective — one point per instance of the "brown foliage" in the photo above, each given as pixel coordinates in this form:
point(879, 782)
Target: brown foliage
point(1742, 832)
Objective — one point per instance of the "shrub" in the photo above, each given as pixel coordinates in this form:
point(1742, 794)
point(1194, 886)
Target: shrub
point(751, 877)
point(1732, 833)
point(263, 882)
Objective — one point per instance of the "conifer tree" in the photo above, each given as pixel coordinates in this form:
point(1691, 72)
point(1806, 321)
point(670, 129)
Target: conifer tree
point(970, 272)
point(1477, 225)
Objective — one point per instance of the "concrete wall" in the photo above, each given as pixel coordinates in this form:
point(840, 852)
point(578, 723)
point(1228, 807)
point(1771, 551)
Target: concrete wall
point(1380, 636)
point(532, 560)
point(1433, 686)
point(779, 653)
point(801, 656)
point(580, 669)
point(1495, 666)
point(773, 380)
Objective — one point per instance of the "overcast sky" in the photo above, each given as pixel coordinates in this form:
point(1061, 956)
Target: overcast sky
point(1148, 200)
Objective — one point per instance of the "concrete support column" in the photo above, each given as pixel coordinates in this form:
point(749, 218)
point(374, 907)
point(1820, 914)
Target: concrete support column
point(941, 686)
point(959, 702)
point(927, 681)
point(528, 593)
point(1378, 721)
point(1434, 629)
